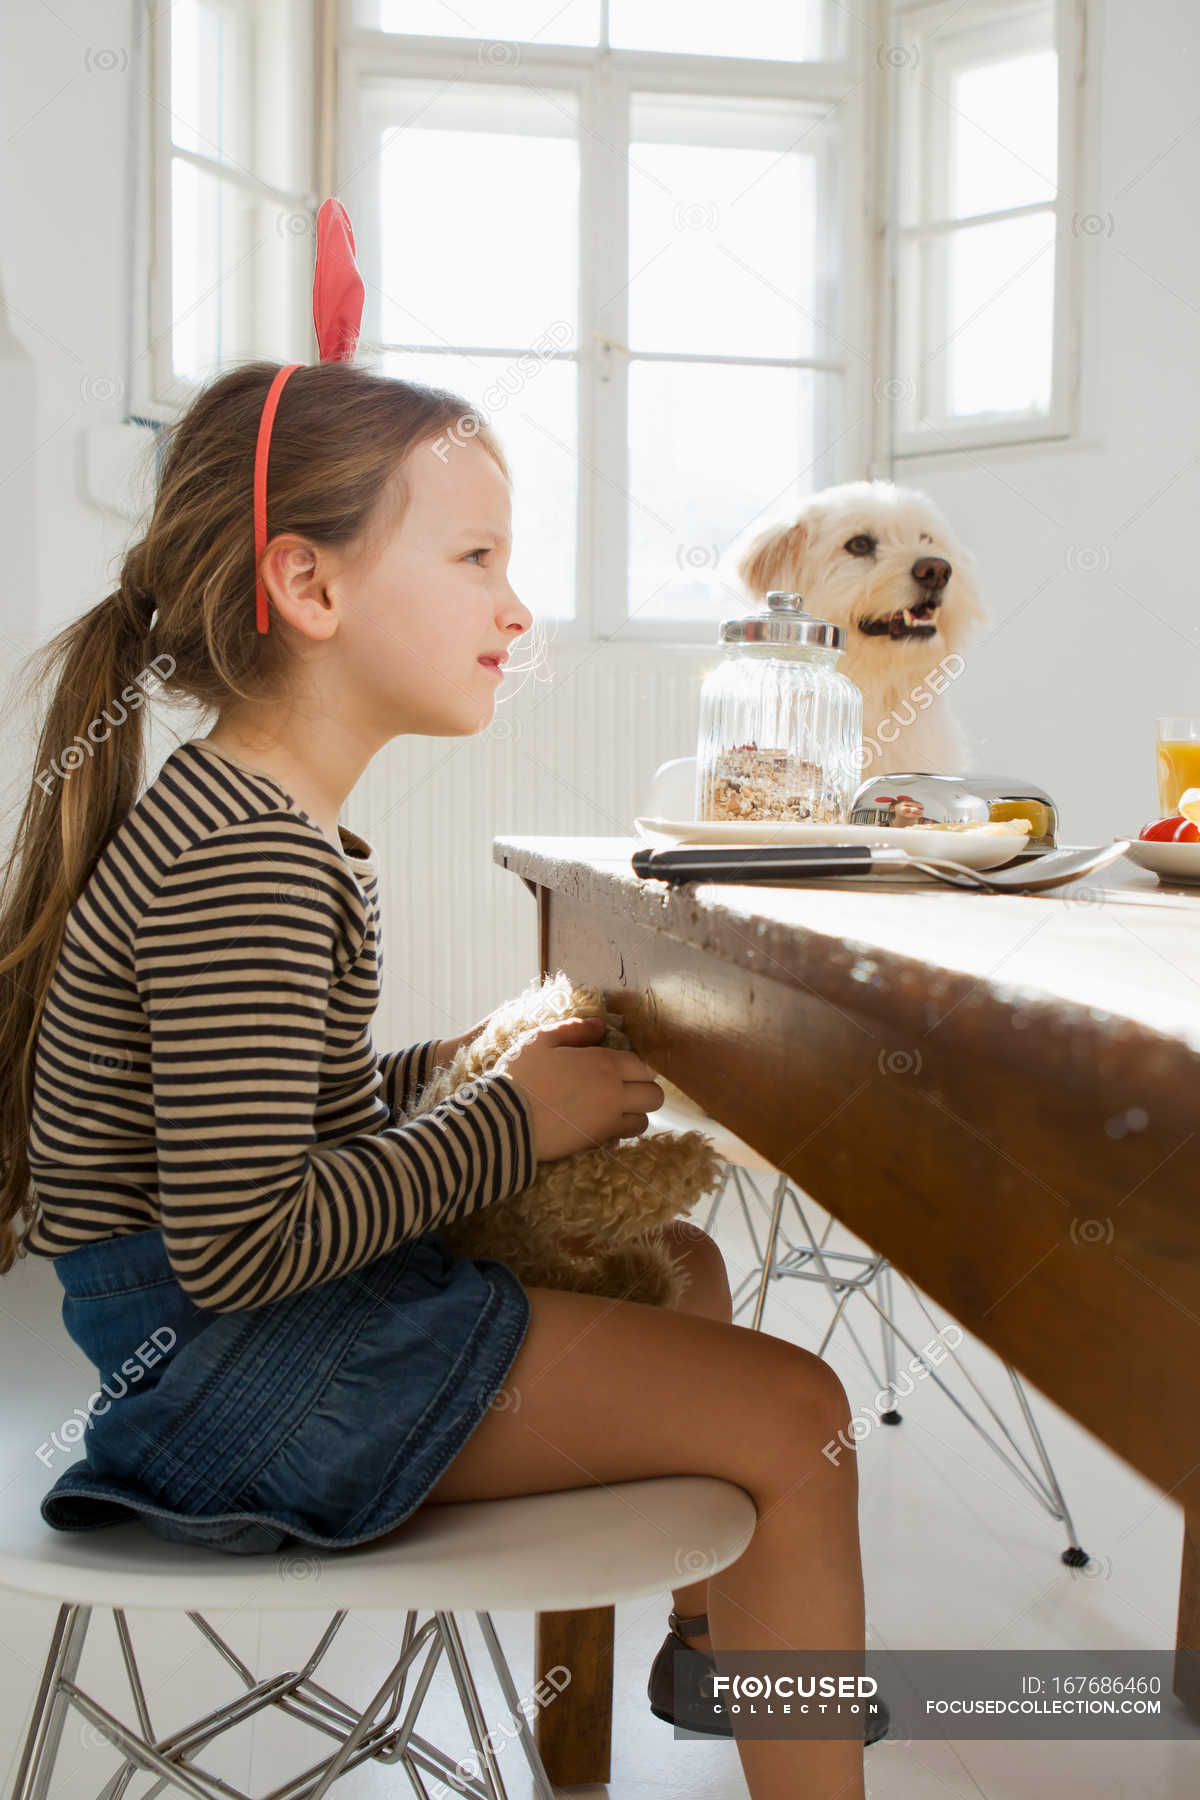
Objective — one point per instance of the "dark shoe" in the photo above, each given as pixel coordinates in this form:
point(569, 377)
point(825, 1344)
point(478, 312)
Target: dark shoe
point(684, 1704)
point(680, 1693)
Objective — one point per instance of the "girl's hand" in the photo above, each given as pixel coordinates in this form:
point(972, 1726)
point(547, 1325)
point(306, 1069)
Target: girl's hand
point(591, 1097)
point(448, 1048)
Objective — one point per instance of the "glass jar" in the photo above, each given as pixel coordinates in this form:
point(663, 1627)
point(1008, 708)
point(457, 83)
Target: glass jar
point(780, 726)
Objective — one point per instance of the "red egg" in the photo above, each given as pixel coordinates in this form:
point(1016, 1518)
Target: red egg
point(1175, 830)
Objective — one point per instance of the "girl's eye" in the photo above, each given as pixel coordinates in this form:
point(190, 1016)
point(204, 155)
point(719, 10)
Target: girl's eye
point(475, 553)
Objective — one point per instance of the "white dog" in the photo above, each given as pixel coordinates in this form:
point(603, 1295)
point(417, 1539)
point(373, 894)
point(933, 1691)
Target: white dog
point(881, 562)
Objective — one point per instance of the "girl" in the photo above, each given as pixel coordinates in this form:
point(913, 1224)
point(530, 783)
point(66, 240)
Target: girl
point(196, 1126)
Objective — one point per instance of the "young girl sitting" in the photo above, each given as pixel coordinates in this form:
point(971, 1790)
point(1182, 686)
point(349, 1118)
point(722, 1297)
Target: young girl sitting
point(195, 1123)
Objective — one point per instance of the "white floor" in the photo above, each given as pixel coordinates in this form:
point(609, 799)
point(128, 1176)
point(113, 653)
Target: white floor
point(957, 1555)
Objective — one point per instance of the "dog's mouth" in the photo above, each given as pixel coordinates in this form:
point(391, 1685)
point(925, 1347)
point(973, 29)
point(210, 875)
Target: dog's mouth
point(917, 621)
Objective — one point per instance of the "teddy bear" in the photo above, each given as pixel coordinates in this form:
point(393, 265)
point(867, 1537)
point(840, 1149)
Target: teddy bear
point(585, 1222)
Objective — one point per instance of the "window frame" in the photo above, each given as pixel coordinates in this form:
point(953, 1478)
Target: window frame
point(857, 84)
point(1061, 423)
point(157, 394)
point(603, 82)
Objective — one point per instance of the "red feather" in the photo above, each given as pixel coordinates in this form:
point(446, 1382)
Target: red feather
point(338, 291)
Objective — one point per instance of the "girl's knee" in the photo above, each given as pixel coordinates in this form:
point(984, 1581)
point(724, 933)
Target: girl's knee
point(807, 1398)
point(708, 1278)
point(822, 1394)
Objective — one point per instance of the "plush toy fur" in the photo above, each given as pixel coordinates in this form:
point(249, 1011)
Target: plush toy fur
point(585, 1223)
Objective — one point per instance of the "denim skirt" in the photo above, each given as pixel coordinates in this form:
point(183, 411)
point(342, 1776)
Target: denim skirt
point(325, 1417)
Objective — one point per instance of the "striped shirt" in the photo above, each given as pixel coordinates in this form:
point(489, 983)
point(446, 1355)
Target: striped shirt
point(204, 1062)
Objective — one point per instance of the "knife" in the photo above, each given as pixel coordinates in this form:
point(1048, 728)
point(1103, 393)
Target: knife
point(763, 862)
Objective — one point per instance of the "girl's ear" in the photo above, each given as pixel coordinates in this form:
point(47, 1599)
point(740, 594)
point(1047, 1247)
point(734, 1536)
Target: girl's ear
point(295, 573)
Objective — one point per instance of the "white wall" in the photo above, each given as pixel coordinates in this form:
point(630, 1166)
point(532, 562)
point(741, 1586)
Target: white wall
point(1085, 649)
point(65, 77)
point(1087, 553)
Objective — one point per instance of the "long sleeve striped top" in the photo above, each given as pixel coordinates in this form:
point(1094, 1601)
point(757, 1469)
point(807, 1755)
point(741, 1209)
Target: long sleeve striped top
point(204, 1062)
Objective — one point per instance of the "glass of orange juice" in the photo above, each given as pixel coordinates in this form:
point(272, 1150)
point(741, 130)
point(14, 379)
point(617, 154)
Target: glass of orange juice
point(1178, 747)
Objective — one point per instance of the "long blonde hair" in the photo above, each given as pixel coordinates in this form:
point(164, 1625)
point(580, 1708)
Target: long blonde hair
point(182, 615)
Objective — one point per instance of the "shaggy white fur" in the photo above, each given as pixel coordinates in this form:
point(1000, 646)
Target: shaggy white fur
point(882, 562)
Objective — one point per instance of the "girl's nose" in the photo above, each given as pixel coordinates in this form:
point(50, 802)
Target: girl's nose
point(518, 614)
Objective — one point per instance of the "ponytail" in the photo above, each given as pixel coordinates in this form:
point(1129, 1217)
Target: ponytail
point(87, 774)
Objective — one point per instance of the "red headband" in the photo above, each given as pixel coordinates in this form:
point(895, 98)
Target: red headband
point(337, 315)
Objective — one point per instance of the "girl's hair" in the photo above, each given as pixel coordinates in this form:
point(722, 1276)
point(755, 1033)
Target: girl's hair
point(182, 617)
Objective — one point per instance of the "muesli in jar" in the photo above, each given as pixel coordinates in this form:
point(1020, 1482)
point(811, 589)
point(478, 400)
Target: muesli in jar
point(752, 783)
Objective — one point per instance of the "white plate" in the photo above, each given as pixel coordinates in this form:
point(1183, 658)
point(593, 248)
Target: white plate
point(1172, 862)
point(966, 847)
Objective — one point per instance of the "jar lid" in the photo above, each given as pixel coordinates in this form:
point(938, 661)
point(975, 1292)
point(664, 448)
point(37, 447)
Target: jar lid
point(785, 622)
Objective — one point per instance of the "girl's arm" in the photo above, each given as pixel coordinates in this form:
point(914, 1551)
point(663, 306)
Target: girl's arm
point(405, 1072)
point(448, 1048)
point(245, 961)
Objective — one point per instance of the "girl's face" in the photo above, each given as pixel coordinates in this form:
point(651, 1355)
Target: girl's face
point(421, 611)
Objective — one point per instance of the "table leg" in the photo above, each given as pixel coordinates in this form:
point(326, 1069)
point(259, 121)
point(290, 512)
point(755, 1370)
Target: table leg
point(1187, 1637)
point(574, 1733)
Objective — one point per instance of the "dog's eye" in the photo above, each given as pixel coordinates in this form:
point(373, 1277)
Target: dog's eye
point(862, 545)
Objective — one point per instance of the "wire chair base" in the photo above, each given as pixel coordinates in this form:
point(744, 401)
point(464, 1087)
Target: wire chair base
point(843, 1274)
point(359, 1735)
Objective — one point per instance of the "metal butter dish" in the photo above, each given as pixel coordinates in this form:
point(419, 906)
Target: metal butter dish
point(919, 798)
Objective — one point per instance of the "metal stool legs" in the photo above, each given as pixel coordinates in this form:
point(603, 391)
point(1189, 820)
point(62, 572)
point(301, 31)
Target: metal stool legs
point(541, 1781)
point(359, 1735)
point(844, 1273)
point(50, 1706)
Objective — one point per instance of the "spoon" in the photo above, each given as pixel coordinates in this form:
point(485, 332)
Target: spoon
point(1052, 869)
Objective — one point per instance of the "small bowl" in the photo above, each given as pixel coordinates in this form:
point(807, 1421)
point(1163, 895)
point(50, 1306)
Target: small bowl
point(923, 798)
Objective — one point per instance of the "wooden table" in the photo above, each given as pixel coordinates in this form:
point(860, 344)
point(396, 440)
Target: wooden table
point(1000, 1093)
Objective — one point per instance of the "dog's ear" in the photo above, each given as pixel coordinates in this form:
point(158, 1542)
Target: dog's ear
point(771, 559)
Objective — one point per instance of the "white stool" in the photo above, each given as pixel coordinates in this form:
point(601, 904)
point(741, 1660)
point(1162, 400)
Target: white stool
point(844, 1273)
point(584, 1547)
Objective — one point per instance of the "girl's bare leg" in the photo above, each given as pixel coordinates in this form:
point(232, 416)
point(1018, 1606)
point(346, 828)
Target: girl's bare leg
point(609, 1391)
point(707, 1295)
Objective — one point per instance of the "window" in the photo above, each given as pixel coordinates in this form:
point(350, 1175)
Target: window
point(627, 233)
point(642, 239)
point(982, 246)
point(758, 28)
point(231, 237)
point(467, 226)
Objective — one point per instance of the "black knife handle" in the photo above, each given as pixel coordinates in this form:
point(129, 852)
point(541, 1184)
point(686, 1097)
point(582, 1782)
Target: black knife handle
point(748, 863)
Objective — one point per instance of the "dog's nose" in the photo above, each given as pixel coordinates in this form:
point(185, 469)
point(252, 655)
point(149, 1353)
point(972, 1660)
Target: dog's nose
point(932, 572)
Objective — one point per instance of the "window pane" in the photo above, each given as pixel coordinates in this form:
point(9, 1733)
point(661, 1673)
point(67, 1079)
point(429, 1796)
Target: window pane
point(987, 347)
point(977, 90)
point(1001, 307)
point(240, 269)
point(689, 496)
point(796, 32)
point(526, 21)
point(533, 413)
point(204, 78)
point(977, 94)
point(478, 225)
point(1004, 139)
point(241, 86)
point(722, 236)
